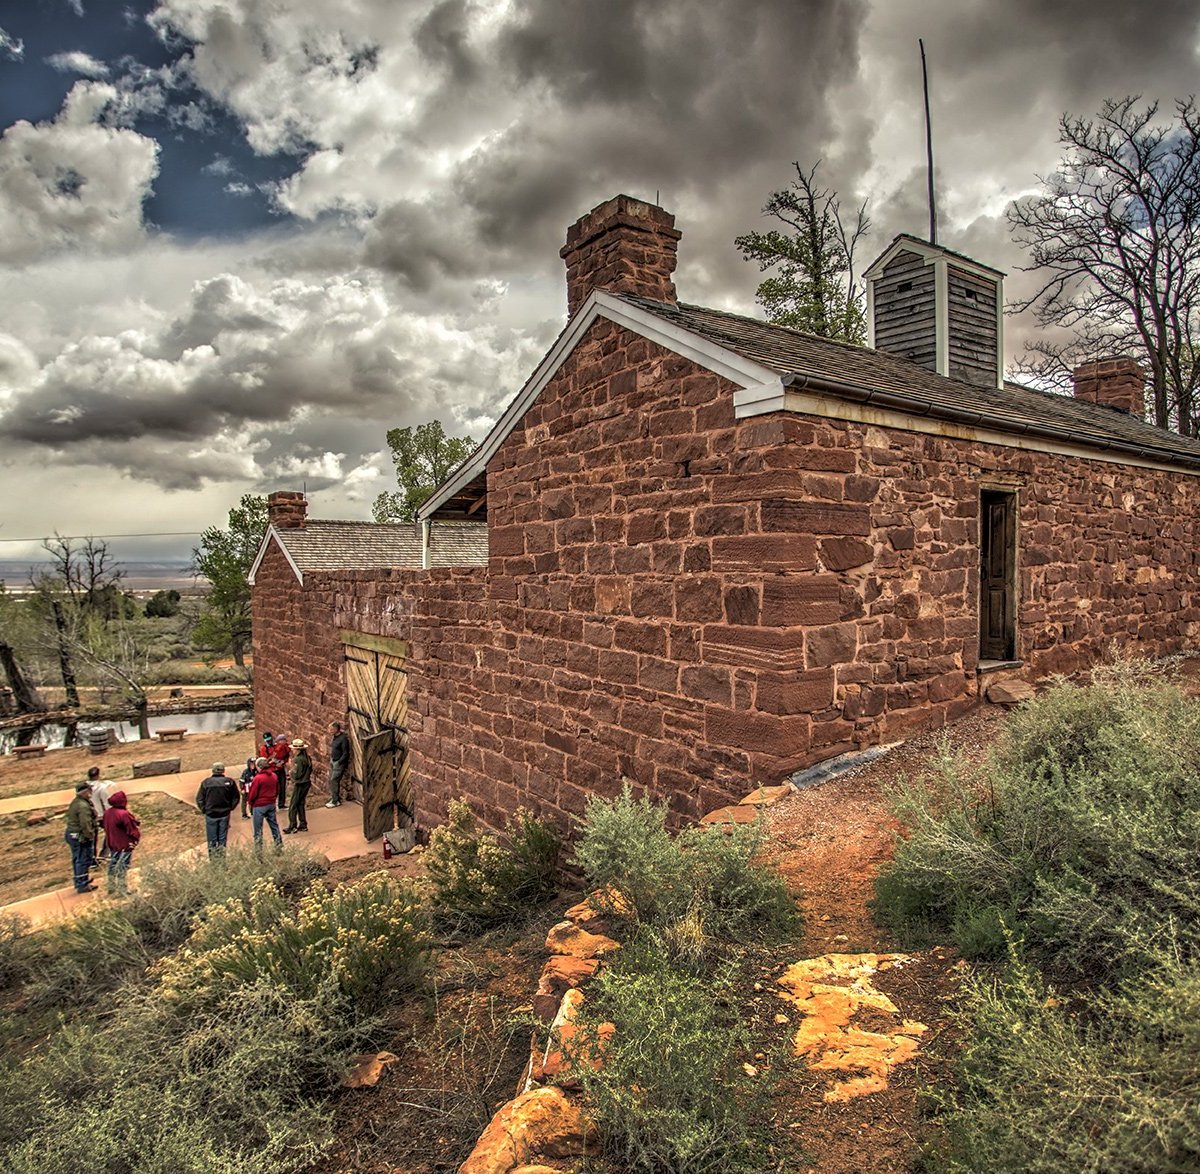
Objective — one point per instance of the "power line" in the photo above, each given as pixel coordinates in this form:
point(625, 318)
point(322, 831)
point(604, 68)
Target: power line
point(78, 537)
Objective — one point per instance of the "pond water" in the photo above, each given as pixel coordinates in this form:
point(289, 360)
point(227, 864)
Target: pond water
point(213, 721)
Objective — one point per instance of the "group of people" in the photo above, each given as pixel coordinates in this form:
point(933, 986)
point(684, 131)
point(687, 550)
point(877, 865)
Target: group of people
point(261, 791)
point(98, 807)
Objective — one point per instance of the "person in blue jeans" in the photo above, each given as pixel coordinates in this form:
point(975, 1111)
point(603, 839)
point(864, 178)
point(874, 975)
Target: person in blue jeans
point(264, 790)
point(81, 837)
point(217, 798)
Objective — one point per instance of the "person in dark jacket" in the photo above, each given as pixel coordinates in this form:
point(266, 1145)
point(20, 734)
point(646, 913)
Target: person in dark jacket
point(244, 784)
point(122, 833)
point(81, 837)
point(216, 798)
point(301, 781)
point(339, 759)
point(264, 787)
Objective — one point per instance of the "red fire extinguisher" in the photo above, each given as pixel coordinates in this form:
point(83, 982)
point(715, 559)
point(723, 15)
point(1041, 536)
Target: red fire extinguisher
point(387, 848)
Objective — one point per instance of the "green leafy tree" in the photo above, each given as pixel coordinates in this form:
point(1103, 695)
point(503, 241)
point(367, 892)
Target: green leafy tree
point(224, 558)
point(162, 605)
point(424, 457)
point(1114, 237)
point(813, 286)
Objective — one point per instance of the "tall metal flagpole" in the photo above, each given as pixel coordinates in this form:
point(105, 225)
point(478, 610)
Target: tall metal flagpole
point(928, 147)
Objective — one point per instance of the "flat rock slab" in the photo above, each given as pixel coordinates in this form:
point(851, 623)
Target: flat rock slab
point(766, 796)
point(738, 814)
point(368, 1069)
point(160, 766)
point(1009, 692)
point(567, 938)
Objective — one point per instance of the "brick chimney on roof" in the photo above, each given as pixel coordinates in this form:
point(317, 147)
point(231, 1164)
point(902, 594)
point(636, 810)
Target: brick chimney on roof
point(624, 246)
point(1120, 383)
point(287, 509)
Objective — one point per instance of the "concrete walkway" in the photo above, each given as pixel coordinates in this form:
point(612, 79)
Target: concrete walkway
point(335, 833)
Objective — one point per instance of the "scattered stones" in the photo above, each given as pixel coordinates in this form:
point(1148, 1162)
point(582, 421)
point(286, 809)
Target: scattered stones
point(829, 991)
point(541, 1123)
point(1009, 692)
point(596, 908)
point(34, 818)
point(368, 1069)
point(567, 938)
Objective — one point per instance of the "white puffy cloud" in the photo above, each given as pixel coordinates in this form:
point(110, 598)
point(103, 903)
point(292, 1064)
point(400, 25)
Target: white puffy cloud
point(79, 62)
point(73, 182)
point(11, 47)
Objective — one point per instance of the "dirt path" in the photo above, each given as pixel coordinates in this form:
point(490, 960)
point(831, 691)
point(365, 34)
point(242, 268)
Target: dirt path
point(829, 841)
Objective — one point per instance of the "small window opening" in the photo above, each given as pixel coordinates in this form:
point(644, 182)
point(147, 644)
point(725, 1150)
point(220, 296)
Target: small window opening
point(904, 287)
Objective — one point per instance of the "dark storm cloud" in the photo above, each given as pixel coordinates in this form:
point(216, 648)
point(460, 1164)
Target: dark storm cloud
point(443, 37)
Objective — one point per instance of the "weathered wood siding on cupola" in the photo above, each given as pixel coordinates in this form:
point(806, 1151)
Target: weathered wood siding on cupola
point(906, 310)
point(974, 327)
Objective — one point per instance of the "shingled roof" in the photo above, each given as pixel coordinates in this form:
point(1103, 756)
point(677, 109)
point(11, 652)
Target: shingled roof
point(322, 545)
point(910, 387)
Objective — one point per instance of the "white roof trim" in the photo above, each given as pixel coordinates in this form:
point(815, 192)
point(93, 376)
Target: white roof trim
point(931, 253)
point(273, 534)
point(599, 304)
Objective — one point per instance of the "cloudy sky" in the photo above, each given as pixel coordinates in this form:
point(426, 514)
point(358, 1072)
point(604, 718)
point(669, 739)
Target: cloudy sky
point(239, 239)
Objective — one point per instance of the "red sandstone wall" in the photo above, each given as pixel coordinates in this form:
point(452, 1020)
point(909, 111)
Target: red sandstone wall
point(298, 683)
point(695, 602)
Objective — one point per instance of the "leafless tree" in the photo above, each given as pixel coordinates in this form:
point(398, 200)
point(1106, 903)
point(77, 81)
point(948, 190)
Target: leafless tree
point(1115, 237)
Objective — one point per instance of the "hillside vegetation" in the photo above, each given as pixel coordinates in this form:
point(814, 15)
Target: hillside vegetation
point(1068, 865)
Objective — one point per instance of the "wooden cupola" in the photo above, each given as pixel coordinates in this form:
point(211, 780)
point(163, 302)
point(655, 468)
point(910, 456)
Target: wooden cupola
point(938, 308)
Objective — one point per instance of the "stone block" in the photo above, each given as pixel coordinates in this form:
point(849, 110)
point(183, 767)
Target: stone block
point(159, 766)
point(1009, 692)
point(766, 796)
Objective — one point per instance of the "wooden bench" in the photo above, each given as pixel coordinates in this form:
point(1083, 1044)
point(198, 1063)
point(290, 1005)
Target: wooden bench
point(171, 735)
point(29, 751)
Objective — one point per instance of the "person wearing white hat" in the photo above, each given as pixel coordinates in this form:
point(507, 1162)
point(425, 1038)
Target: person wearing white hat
point(301, 781)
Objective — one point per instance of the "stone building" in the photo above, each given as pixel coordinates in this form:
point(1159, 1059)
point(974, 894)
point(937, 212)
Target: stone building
point(719, 550)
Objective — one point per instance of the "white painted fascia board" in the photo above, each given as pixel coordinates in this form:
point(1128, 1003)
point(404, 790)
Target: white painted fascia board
point(941, 314)
point(599, 304)
point(272, 535)
point(1000, 333)
point(758, 401)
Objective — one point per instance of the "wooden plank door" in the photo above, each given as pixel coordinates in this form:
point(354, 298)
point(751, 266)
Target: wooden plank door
point(997, 579)
point(377, 700)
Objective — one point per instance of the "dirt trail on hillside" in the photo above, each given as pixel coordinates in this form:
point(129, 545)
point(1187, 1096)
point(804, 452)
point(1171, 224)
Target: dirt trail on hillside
point(829, 841)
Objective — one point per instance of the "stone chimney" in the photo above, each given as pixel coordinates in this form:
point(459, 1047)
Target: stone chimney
point(287, 509)
point(1119, 383)
point(623, 246)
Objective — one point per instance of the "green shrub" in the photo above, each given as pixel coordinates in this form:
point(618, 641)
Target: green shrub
point(739, 899)
point(74, 960)
point(1080, 828)
point(671, 1094)
point(15, 950)
point(697, 889)
point(361, 943)
point(1111, 1083)
point(171, 893)
point(479, 878)
point(625, 845)
point(150, 1092)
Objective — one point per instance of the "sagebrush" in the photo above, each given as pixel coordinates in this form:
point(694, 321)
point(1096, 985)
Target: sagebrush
point(479, 878)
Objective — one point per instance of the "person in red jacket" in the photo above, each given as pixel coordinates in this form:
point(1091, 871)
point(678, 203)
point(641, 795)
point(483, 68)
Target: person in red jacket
point(121, 833)
point(281, 753)
point(264, 789)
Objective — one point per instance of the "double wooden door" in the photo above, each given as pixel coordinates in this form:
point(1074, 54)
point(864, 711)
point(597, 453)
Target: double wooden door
point(377, 701)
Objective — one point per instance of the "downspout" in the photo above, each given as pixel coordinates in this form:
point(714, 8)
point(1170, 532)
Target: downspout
point(426, 526)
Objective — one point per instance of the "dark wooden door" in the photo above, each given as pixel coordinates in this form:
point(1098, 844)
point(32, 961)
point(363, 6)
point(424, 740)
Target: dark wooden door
point(997, 579)
point(377, 700)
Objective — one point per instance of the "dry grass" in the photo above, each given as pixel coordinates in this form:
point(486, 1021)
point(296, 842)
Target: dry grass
point(57, 769)
point(36, 860)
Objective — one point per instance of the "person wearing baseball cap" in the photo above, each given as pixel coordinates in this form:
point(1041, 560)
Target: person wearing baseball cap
point(81, 837)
